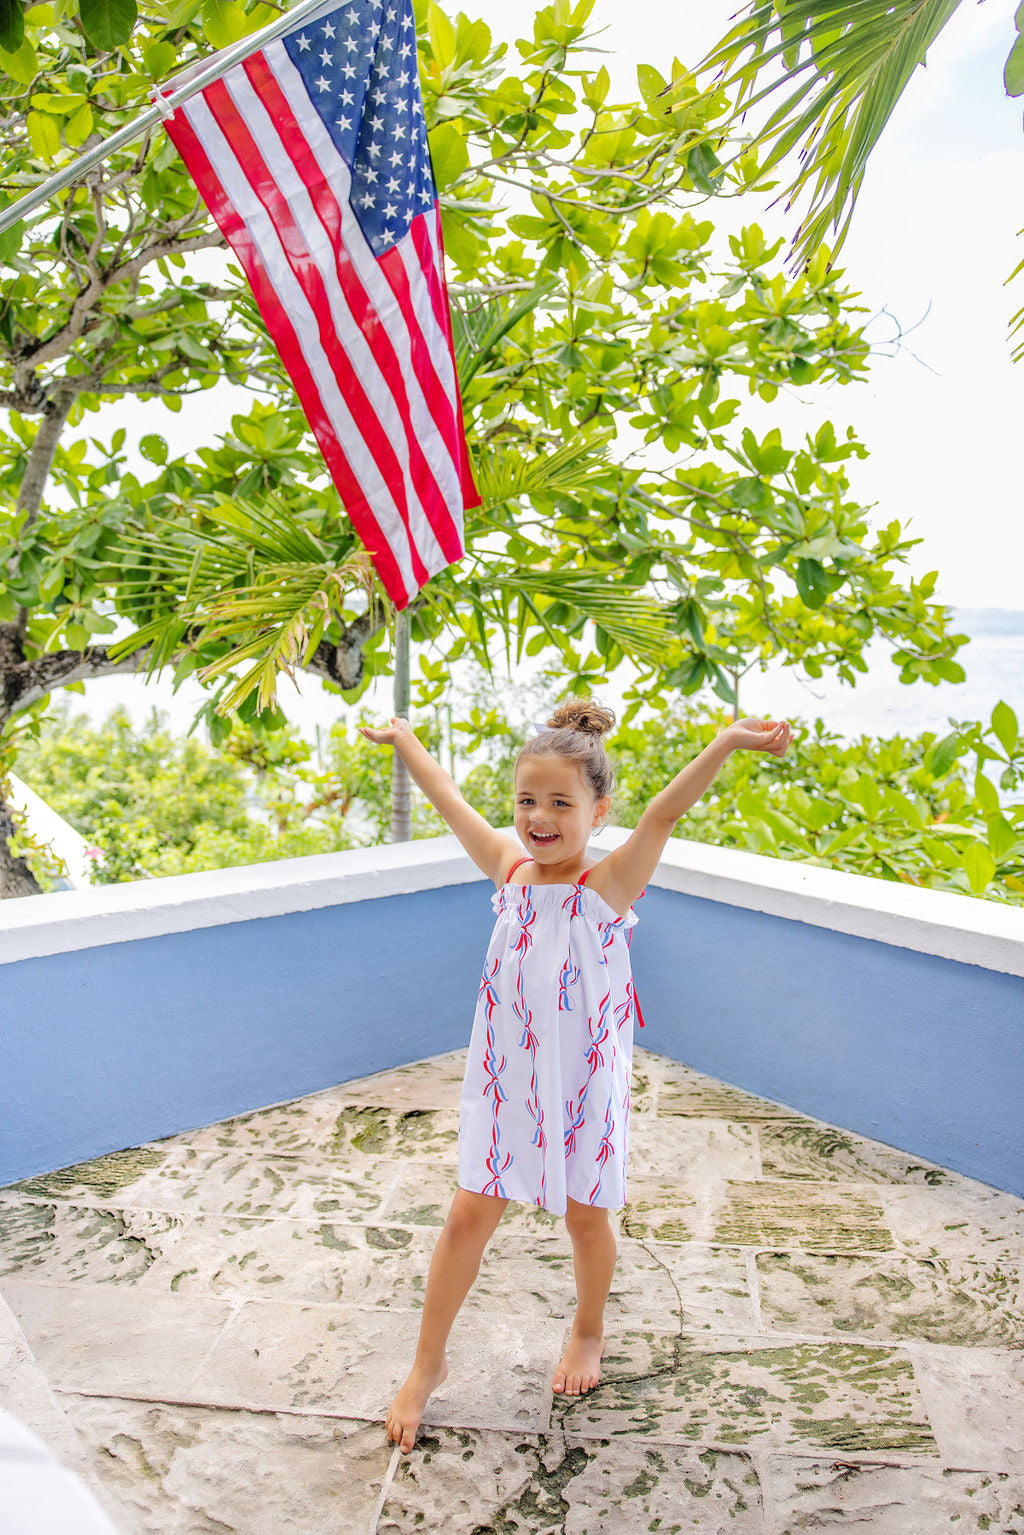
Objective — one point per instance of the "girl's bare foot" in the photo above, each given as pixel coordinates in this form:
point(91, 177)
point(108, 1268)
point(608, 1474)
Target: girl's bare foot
point(579, 1369)
point(406, 1410)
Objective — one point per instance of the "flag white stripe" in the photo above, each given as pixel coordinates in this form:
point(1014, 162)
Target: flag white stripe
point(423, 309)
point(437, 452)
point(269, 250)
point(350, 333)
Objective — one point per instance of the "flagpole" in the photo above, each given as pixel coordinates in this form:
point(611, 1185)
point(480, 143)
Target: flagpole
point(217, 66)
point(401, 803)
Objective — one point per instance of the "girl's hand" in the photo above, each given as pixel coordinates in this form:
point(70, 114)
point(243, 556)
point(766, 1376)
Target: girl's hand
point(759, 736)
point(389, 735)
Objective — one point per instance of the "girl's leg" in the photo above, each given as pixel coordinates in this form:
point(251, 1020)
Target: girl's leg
point(471, 1223)
point(593, 1254)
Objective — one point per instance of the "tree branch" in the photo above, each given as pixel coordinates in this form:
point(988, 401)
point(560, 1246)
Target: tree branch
point(342, 662)
point(24, 684)
point(61, 343)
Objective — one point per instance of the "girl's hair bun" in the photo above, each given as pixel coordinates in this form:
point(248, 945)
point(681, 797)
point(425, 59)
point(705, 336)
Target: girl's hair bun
point(582, 715)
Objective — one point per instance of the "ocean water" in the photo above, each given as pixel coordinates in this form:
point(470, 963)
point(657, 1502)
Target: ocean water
point(881, 705)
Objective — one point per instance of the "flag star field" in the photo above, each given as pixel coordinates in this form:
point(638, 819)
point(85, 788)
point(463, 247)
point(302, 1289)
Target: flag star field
point(358, 64)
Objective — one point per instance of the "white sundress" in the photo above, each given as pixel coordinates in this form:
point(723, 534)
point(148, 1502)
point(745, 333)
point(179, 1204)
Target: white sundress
point(544, 1112)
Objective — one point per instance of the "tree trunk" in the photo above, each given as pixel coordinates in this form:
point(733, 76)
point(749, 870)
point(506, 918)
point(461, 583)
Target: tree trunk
point(401, 804)
point(37, 470)
point(16, 878)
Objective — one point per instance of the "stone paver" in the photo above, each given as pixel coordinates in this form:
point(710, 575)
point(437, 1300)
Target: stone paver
point(893, 1500)
point(199, 1471)
point(806, 1330)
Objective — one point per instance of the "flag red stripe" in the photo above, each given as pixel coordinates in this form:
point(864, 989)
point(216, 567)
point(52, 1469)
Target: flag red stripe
point(471, 496)
point(393, 269)
point(431, 264)
point(431, 494)
point(425, 255)
point(282, 332)
point(293, 243)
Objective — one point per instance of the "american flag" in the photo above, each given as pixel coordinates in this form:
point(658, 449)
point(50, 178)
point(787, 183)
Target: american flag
point(312, 157)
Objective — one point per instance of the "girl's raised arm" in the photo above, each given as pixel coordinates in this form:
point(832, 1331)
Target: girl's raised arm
point(490, 850)
point(622, 875)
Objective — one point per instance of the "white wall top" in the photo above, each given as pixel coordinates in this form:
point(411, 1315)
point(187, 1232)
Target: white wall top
point(958, 927)
point(43, 822)
point(82, 919)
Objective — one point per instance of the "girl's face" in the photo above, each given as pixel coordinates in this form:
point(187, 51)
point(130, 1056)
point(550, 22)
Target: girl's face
point(556, 808)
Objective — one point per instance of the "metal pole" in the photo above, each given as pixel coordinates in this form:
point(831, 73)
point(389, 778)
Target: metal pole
point(214, 67)
point(401, 804)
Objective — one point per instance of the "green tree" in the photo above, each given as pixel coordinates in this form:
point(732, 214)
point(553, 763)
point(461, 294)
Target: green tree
point(924, 811)
point(152, 803)
point(598, 316)
point(590, 314)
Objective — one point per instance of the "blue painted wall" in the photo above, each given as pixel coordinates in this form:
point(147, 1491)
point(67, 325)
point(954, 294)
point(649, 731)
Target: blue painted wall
point(113, 1046)
point(920, 1052)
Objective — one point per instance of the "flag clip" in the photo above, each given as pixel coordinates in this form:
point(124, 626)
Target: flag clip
point(162, 104)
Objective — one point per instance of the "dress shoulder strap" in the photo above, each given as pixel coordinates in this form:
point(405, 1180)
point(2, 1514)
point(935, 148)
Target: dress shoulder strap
point(517, 865)
point(583, 877)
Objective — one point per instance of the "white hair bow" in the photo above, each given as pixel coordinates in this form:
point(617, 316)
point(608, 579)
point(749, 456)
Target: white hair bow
point(539, 729)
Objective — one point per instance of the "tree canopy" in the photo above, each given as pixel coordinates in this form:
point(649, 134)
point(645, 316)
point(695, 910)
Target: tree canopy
point(606, 340)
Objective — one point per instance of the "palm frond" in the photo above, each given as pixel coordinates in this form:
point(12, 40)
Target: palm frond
point(844, 65)
point(480, 323)
point(556, 602)
point(504, 474)
point(259, 579)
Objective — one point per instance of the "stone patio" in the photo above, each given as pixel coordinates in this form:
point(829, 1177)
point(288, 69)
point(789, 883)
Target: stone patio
point(807, 1330)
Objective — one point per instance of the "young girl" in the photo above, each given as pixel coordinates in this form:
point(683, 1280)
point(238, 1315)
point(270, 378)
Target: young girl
point(545, 1101)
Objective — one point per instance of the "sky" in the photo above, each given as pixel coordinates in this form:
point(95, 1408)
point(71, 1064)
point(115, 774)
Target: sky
point(934, 237)
point(933, 240)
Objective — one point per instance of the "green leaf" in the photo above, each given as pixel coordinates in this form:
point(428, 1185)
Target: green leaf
point(596, 89)
point(812, 582)
point(10, 244)
point(52, 581)
point(60, 103)
point(651, 83)
point(12, 25)
point(1013, 69)
point(108, 23)
point(21, 64)
point(448, 154)
point(224, 22)
point(979, 866)
point(442, 35)
point(1004, 723)
point(78, 126)
point(985, 794)
point(159, 59)
point(1002, 838)
point(704, 168)
point(43, 135)
point(154, 448)
point(866, 794)
point(940, 757)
